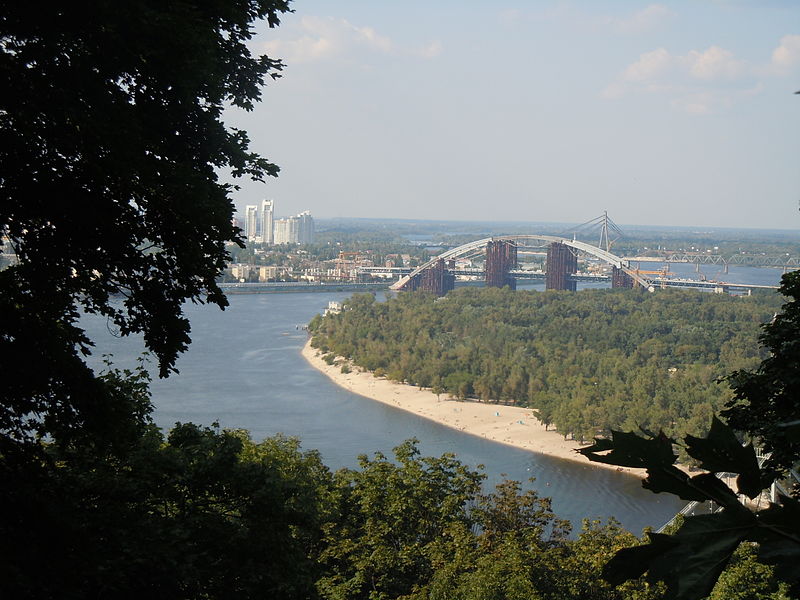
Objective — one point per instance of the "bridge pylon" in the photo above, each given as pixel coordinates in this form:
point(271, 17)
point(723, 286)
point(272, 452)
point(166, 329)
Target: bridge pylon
point(620, 279)
point(501, 257)
point(436, 279)
point(561, 263)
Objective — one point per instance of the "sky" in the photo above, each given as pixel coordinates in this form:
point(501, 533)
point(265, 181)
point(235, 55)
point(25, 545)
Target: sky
point(674, 113)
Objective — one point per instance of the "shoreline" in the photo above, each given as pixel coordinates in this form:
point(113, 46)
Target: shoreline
point(510, 425)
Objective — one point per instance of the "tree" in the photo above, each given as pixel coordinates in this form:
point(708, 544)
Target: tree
point(202, 514)
point(111, 146)
point(765, 402)
point(691, 560)
point(111, 141)
point(392, 517)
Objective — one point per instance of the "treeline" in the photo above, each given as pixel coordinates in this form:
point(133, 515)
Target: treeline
point(205, 513)
point(587, 362)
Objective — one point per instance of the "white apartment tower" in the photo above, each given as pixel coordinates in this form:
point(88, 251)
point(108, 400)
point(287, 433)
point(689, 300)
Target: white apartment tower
point(306, 228)
point(286, 230)
point(267, 222)
point(250, 222)
point(295, 230)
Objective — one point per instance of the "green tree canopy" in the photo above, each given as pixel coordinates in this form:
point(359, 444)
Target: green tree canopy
point(111, 141)
point(765, 402)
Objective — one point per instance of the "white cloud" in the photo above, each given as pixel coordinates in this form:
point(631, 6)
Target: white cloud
point(323, 38)
point(701, 81)
point(649, 66)
point(700, 103)
point(645, 20)
point(431, 50)
point(714, 63)
point(787, 55)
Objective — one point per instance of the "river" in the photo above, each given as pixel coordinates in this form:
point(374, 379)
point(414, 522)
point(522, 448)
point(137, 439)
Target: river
point(244, 370)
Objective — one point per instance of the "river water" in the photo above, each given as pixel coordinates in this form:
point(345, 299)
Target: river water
point(244, 370)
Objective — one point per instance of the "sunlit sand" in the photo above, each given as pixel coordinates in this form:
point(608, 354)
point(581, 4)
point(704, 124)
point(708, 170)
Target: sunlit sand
point(509, 425)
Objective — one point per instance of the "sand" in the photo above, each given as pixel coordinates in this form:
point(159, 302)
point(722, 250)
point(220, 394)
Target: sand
point(509, 425)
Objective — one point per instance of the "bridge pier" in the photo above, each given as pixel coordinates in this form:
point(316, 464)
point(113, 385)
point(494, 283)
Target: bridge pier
point(620, 279)
point(436, 279)
point(561, 263)
point(501, 257)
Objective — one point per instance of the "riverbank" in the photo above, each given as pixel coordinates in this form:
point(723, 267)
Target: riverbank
point(509, 425)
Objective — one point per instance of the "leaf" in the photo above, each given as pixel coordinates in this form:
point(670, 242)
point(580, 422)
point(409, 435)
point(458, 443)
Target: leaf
point(632, 563)
point(701, 488)
point(630, 450)
point(700, 551)
point(779, 538)
point(721, 452)
point(673, 481)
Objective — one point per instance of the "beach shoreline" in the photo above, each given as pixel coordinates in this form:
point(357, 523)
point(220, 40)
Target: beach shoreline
point(510, 425)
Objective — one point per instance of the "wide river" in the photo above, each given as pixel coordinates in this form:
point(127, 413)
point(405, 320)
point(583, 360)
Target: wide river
point(244, 369)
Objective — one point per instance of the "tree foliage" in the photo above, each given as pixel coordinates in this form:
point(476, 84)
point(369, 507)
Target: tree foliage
point(765, 401)
point(111, 141)
point(586, 362)
point(691, 560)
point(200, 514)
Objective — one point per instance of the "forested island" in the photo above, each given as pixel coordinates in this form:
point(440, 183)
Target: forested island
point(586, 362)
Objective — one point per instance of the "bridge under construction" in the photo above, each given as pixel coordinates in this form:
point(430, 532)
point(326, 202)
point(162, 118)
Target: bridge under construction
point(438, 275)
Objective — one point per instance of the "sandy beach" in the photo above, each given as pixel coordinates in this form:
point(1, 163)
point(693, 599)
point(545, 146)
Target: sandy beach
point(505, 424)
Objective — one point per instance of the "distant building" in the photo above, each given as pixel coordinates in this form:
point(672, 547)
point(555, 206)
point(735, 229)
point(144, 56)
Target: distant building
point(295, 230)
point(251, 222)
point(286, 230)
point(270, 273)
point(306, 228)
point(267, 222)
point(240, 272)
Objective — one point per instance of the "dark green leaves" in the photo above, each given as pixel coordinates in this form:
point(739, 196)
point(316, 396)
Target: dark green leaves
point(691, 561)
point(111, 195)
point(722, 452)
point(765, 402)
point(630, 450)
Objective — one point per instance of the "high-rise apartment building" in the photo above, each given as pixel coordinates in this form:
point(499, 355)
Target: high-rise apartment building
point(295, 230)
point(267, 222)
point(250, 222)
point(305, 228)
point(286, 230)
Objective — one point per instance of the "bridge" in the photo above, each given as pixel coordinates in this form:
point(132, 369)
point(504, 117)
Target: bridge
point(698, 258)
point(438, 274)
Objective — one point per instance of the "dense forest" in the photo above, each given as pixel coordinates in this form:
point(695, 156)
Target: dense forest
point(587, 361)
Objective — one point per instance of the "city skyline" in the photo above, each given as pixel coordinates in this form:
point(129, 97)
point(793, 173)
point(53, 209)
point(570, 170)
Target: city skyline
point(677, 113)
point(260, 225)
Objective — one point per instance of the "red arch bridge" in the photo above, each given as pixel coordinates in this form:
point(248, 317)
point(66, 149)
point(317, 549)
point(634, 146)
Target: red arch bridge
point(438, 274)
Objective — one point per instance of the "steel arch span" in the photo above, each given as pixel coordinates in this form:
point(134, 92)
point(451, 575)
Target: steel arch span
point(471, 247)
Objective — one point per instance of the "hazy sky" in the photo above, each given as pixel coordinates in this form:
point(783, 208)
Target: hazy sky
point(673, 113)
